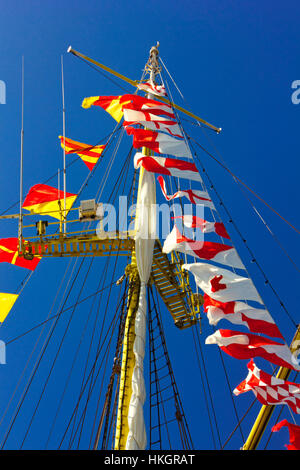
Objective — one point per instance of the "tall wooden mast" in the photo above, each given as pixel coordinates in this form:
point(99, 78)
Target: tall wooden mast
point(132, 367)
point(165, 274)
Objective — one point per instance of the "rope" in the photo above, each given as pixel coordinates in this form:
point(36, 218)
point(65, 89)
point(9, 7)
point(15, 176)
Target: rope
point(21, 401)
point(111, 327)
point(254, 260)
point(58, 351)
point(185, 435)
point(245, 185)
point(35, 346)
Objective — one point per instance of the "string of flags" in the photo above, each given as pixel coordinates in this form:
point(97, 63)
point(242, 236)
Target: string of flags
point(153, 124)
point(226, 293)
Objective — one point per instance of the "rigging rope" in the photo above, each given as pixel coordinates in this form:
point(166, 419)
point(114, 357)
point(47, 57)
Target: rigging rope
point(254, 260)
point(58, 351)
point(246, 186)
point(111, 327)
point(35, 346)
point(179, 417)
point(42, 352)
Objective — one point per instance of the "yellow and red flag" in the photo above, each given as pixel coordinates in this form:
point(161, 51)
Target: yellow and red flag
point(112, 104)
point(88, 153)
point(115, 105)
point(9, 254)
point(43, 199)
point(6, 304)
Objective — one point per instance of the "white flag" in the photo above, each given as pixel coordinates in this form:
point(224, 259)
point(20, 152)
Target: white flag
point(167, 166)
point(218, 252)
point(221, 284)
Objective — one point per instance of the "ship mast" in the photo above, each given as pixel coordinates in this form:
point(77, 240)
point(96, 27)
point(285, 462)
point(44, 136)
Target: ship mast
point(146, 258)
point(130, 428)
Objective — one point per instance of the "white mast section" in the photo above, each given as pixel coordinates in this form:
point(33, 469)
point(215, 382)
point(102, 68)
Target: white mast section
point(145, 226)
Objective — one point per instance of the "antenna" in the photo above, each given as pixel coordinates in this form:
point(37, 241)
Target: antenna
point(64, 137)
point(20, 234)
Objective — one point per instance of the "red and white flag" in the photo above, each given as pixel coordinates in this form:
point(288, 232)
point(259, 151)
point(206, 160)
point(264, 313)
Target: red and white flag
point(152, 122)
point(239, 313)
point(218, 252)
point(159, 142)
point(139, 103)
point(150, 87)
point(270, 390)
point(246, 346)
point(294, 434)
point(167, 166)
point(222, 284)
point(115, 105)
point(191, 221)
point(193, 195)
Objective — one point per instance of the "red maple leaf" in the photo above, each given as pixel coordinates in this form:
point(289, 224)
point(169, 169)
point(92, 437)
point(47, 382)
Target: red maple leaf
point(216, 285)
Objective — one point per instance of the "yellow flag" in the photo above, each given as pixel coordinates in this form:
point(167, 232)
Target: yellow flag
point(6, 303)
point(46, 200)
point(112, 104)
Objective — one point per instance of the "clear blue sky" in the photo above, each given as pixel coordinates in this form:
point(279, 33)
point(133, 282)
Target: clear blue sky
point(235, 63)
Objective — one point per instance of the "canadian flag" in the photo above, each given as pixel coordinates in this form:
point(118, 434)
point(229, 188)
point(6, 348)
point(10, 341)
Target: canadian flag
point(193, 195)
point(192, 221)
point(150, 87)
point(159, 142)
point(270, 390)
point(246, 345)
point(222, 284)
point(167, 166)
point(239, 313)
point(152, 122)
point(217, 252)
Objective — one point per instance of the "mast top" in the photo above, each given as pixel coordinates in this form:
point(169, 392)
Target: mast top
point(152, 66)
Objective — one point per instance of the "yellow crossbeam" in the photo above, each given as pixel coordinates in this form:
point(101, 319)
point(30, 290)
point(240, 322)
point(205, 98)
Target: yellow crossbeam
point(136, 82)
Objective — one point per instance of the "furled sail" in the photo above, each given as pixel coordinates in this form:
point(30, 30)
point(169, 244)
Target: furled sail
point(145, 227)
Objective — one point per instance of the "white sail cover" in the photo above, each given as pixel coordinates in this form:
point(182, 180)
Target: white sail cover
point(144, 243)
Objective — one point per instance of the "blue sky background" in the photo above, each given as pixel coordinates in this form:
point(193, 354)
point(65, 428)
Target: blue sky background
point(235, 63)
